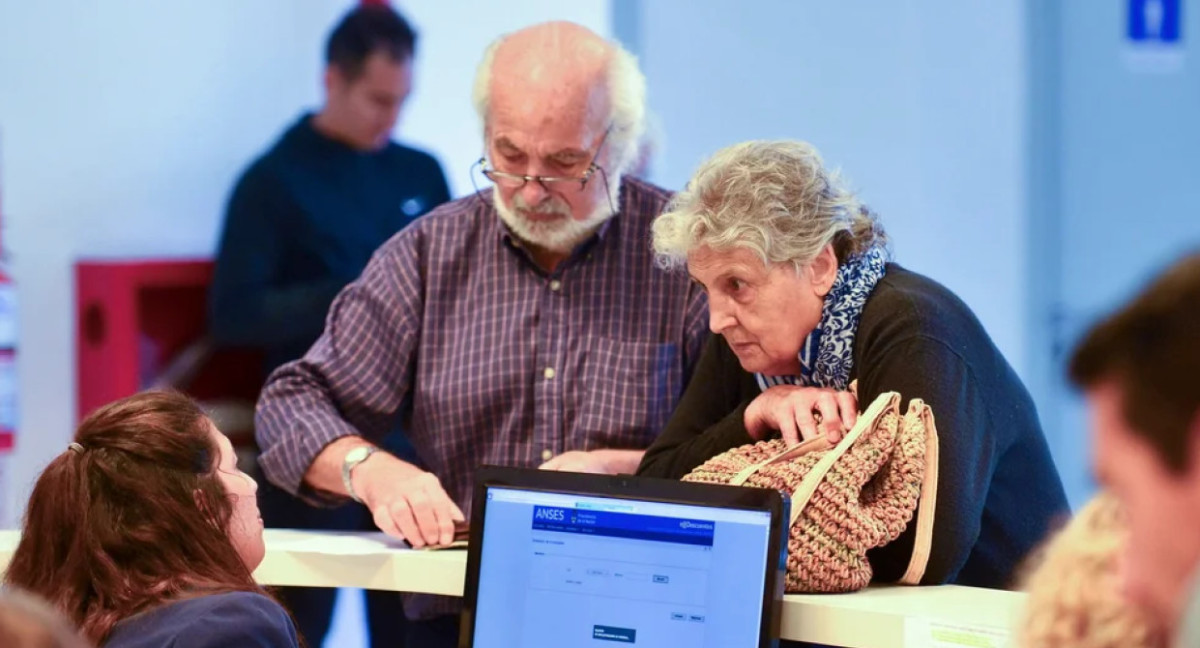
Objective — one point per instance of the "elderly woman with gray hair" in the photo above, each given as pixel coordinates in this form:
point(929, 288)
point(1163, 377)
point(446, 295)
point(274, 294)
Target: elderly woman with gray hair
point(806, 300)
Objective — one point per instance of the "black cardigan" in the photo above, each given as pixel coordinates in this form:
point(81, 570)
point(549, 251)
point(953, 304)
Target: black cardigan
point(998, 489)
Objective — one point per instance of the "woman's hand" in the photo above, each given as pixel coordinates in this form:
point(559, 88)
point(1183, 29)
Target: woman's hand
point(801, 413)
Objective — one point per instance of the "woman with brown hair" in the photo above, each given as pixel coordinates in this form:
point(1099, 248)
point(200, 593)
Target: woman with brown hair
point(144, 533)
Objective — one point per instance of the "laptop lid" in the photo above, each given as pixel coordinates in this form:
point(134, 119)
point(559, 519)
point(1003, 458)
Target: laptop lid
point(568, 560)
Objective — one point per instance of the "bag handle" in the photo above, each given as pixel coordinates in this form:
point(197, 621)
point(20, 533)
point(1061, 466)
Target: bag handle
point(818, 444)
point(866, 421)
point(922, 545)
point(798, 450)
point(927, 505)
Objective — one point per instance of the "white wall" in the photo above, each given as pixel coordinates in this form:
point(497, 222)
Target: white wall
point(124, 123)
point(922, 104)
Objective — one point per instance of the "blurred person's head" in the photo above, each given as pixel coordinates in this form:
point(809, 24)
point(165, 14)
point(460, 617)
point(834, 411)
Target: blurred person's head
point(1140, 369)
point(559, 101)
point(26, 622)
point(368, 76)
point(145, 506)
point(1074, 589)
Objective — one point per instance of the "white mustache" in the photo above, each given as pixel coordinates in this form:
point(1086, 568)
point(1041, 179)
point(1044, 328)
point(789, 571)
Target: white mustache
point(550, 206)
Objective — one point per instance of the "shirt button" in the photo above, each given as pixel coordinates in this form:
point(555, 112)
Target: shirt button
point(555, 285)
point(549, 373)
point(547, 455)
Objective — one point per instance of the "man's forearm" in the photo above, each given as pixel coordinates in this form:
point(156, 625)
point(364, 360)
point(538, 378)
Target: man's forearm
point(325, 473)
point(621, 462)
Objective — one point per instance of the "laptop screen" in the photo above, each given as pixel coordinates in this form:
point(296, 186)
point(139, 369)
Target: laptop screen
point(573, 570)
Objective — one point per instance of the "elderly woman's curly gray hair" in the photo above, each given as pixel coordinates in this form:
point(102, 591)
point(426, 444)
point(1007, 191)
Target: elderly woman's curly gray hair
point(774, 198)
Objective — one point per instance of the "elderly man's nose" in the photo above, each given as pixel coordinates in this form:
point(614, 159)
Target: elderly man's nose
point(534, 193)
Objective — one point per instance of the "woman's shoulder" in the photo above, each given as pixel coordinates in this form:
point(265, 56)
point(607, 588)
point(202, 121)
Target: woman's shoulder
point(906, 304)
point(901, 287)
point(233, 604)
point(228, 618)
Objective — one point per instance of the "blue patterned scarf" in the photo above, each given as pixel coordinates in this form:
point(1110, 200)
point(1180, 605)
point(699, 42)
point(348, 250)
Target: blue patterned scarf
point(827, 355)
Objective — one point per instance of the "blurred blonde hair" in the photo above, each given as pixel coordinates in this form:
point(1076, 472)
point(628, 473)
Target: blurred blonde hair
point(27, 622)
point(1074, 597)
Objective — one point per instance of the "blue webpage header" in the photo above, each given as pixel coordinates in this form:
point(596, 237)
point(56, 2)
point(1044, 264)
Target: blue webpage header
point(623, 525)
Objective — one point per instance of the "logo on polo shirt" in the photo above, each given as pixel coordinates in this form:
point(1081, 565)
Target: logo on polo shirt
point(412, 206)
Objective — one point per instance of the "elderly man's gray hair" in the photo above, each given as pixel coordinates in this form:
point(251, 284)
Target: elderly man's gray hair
point(626, 95)
point(774, 198)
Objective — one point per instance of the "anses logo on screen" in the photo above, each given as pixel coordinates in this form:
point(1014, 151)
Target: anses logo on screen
point(549, 514)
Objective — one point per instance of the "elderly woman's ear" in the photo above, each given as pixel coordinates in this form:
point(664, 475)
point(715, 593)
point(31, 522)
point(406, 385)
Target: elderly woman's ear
point(823, 270)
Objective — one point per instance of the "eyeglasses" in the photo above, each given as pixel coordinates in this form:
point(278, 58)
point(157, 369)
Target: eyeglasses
point(550, 183)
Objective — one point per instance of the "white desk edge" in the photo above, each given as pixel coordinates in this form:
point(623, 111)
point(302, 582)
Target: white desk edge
point(874, 618)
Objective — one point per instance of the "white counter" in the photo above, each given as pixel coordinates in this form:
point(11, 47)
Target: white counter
point(879, 617)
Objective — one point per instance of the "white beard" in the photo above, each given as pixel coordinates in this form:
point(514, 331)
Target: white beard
point(560, 235)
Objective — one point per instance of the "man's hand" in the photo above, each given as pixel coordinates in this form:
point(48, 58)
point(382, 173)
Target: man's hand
point(601, 462)
point(405, 501)
point(801, 413)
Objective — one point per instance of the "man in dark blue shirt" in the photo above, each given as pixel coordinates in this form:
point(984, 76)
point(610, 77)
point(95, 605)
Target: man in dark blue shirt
point(302, 223)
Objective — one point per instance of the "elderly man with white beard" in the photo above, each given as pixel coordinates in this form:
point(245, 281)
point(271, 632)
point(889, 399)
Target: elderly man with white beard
point(525, 326)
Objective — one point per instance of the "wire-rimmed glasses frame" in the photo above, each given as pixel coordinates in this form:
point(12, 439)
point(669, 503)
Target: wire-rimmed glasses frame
point(517, 181)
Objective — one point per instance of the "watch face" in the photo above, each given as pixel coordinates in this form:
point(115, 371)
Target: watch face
point(357, 454)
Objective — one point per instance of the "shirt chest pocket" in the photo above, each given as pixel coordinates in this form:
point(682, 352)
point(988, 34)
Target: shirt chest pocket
point(629, 391)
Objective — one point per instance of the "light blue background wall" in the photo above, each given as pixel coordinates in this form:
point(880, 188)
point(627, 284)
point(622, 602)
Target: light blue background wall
point(1010, 148)
point(1018, 151)
point(1127, 144)
point(920, 104)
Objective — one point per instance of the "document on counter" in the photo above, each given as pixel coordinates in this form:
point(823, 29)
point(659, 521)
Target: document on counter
point(927, 633)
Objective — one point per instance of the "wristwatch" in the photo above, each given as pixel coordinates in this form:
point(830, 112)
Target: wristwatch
point(352, 459)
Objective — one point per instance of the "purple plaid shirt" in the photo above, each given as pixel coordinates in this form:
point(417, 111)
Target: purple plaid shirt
point(488, 359)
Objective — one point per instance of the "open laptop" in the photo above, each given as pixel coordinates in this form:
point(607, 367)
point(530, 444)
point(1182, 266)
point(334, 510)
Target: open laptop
point(568, 560)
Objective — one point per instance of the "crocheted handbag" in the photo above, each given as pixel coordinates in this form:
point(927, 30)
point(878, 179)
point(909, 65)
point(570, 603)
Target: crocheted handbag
point(848, 498)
